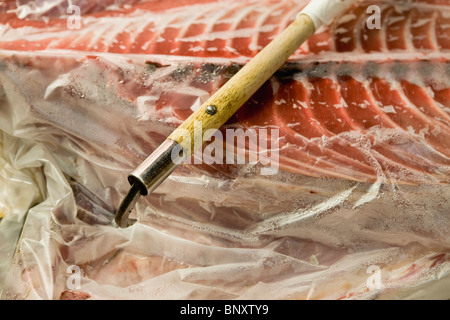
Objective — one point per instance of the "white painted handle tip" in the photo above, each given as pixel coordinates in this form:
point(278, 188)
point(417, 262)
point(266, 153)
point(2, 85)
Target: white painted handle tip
point(324, 11)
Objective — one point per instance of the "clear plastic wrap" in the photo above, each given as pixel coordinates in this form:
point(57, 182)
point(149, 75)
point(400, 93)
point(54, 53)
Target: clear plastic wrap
point(75, 122)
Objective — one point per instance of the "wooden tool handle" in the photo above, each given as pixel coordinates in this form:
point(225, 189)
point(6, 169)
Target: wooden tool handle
point(231, 96)
point(225, 102)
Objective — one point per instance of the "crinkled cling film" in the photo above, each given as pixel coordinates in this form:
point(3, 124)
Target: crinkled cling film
point(357, 208)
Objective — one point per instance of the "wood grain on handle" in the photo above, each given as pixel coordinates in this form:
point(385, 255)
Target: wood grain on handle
point(231, 96)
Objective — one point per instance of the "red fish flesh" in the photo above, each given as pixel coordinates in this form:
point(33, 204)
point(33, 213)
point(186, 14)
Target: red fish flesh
point(381, 112)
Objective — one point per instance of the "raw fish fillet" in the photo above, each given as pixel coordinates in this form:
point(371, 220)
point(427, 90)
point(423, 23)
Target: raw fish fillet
point(364, 125)
point(382, 112)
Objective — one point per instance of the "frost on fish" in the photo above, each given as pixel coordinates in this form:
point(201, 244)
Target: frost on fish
point(363, 118)
point(358, 120)
point(396, 110)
